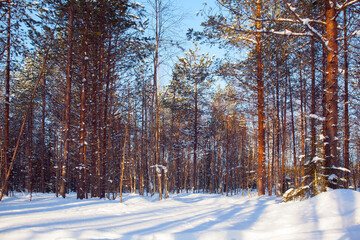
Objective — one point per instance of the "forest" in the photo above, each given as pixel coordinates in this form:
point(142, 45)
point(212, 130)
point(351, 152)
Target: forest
point(85, 107)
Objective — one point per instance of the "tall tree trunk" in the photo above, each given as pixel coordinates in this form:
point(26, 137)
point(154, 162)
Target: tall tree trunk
point(293, 134)
point(100, 120)
point(277, 147)
point(30, 150)
point(43, 136)
point(82, 191)
point(346, 99)
point(156, 66)
point(313, 101)
point(111, 161)
point(177, 160)
point(325, 148)
point(227, 157)
point(194, 173)
point(67, 104)
point(261, 106)
point(220, 173)
point(146, 149)
point(7, 100)
point(303, 121)
point(143, 153)
point(124, 155)
point(331, 155)
point(282, 168)
point(94, 127)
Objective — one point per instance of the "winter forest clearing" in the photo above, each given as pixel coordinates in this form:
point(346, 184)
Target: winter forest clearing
point(330, 215)
point(104, 99)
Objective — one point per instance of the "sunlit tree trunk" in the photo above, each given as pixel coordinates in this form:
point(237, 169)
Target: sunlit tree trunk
point(331, 91)
point(261, 106)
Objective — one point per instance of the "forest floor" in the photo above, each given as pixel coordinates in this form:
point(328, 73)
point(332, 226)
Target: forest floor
point(331, 215)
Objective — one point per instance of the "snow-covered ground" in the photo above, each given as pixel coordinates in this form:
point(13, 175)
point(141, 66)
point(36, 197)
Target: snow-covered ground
point(331, 215)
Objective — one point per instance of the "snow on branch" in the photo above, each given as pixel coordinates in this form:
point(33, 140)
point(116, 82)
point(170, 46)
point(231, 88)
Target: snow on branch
point(346, 4)
point(357, 32)
point(287, 32)
point(306, 22)
point(314, 116)
point(288, 20)
point(246, 39)
point(159, 167)
point(342, 169)
point(317, 159)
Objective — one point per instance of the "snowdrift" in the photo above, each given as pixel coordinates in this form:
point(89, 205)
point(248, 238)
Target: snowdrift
point(331, 215)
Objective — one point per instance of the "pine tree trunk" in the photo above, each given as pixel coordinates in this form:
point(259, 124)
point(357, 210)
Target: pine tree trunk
point(94, 124)
point(261, 106)
point(277, 147)
point(82, 189)
point(313, 101)
point(100, 120)
point(7, 100)
point(227, 158)
point(194, 173)
point(177, 160)
point(156, 66)
point(67, 104)
point(122, 167)
point(346, 99)
point(331, 156)
point(43, 136)
point(30, 150)
point(219, 175)
point(326, 147)
point(293, 134)
point(302, 124)
point(282, 168)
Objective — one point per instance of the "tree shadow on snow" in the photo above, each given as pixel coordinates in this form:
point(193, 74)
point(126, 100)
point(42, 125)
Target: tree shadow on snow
point(347, 206)
point(23, 209)
point(201, 222)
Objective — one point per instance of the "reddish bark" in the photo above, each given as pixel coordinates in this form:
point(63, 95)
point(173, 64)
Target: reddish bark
point(331, 155)
point(261, 107)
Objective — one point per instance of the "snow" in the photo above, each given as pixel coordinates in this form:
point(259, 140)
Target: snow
point(317, 159)
point(341, 169)
point(357, 32)
point(314, 116)
point(332, 177)
point(330, 215)
point(139, 5)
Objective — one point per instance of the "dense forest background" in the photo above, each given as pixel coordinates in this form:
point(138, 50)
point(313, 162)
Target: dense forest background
point(83, 110)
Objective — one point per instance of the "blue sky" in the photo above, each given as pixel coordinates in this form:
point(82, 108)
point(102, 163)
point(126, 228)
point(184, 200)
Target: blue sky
point(192, 20)
point(188, 9)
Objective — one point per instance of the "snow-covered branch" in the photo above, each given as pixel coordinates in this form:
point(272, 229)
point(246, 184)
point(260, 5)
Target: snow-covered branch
point(306, 22)
point(346, 4)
